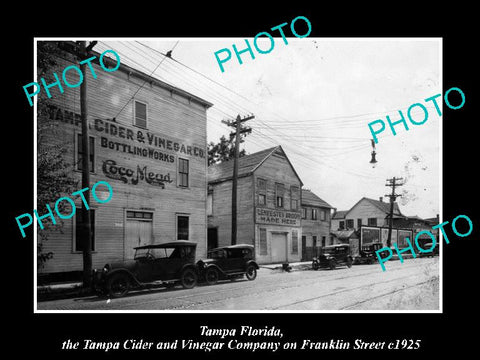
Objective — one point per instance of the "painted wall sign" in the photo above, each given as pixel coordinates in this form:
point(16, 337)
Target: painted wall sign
point(277, 217)
point(117, 172)
point(134, 136)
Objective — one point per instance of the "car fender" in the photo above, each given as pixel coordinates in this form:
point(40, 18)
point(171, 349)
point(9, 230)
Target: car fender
point(189, 266)
point(252, 262)
point(125, 271)
point(213, 266)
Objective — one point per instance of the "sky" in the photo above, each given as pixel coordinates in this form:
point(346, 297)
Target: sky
point(315, 98)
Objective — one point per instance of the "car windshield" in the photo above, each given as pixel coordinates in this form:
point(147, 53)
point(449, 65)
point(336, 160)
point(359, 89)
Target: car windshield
point(328, 250)
point(158, 253)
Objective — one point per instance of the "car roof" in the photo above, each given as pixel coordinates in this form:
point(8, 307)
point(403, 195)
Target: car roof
point(335, 245)
point(237, 246)
point(167, 244)
point(372, 243)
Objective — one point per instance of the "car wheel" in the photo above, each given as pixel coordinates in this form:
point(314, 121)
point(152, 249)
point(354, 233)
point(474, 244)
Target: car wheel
point(118, 285)
point(332, 265)
point(315, 265)
point(251, 272)
point(349, 263)
point(211, 276)
point(188, 279)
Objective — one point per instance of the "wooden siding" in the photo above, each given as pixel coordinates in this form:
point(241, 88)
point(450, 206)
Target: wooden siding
point(169, 116)
point(364, 210)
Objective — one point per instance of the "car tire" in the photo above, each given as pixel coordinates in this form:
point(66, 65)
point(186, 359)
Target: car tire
point(251, 272)
point(211, 276)
point(118, 285)
point(349, 263)
point(315, 265)
point(332, 265)
point(188, 278)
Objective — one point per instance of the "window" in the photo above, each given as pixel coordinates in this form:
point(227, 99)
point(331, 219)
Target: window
point(294, 197)
point(324, 240)
point(294, 242)
point(372, 221)
point(314, 214)
point(262, 191)
point(350, 223)
point(79, 228)
point(263, 242)
point(304, 213)
point(182, 172)
point(359, 223)
point(182, 227)
point(210, 203)
point(91, 149)
point(139, 215)
point(341, 225)
point(279, 192)
point(323, 215)
point(140, 114)
point(314, 241)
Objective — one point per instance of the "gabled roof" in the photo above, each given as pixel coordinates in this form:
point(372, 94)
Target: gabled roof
point(384, 206)
point(343, 234)
point(340, 214)
point(309, 198)
point(246, 165)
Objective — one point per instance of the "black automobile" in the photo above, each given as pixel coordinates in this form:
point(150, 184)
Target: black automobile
point(229, 262)
point(368, 253)
point(428, 246)
point(333, 256)
point(170, 263)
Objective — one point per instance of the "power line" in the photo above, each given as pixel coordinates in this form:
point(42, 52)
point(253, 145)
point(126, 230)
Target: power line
point(160, 63)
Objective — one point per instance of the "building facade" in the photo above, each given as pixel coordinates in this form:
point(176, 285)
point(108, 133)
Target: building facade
point(268, 206)
point(148, 141)
point(316, 220)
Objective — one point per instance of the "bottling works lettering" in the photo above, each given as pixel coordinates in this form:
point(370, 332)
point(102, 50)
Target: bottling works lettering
point(122, 132)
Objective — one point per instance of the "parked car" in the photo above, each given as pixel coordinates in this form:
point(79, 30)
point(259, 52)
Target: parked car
point(229, 262)
point(333, 256)
point(428, 246)
point(170, 263)
point(368, 253)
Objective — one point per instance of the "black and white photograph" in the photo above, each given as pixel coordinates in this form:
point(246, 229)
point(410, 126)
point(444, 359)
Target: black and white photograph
point(214, 183)
point(216, 192)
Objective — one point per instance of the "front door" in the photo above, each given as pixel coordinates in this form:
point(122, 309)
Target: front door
point(137, 233)
point(279, 247)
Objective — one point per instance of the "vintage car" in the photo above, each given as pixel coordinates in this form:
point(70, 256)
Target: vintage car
point(428, 246)
point(229, 262)
point(368, 253)
point(333, 256)
point(169, 263)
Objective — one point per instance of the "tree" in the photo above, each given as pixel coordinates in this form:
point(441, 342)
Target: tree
point(222, 151)
point(53, 173)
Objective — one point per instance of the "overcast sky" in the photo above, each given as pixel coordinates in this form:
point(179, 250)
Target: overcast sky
point(315, 97)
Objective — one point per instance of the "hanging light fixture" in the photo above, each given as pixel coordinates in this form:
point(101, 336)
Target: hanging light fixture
point(373, 161)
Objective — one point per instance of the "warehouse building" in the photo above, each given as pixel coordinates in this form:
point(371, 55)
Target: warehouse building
point(268, 205)
point(148, 141)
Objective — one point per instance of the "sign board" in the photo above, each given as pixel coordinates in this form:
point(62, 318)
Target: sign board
point(277, 217)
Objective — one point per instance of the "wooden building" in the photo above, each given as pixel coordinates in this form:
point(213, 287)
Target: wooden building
point(315, 224)
point(268, 201)
point(148, 141)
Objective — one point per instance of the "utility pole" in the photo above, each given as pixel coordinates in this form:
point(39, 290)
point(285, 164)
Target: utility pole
point(86, 230)
point(393, 183)
point(239, 130)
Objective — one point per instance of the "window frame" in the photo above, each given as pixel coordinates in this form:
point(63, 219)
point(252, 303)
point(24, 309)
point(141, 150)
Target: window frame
point(177, 216)
point(348, 222)
point(261, 192)
point(279, 186)
point(294, 248)
point(92, 154)
point(135, 101)
point(370, 220)
point(314, 214)
point(179, 173)
point(263, 250)
point(294, 197)
point(341, 224)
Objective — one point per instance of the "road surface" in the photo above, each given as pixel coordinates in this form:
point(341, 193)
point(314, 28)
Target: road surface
point(413, 285)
